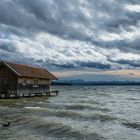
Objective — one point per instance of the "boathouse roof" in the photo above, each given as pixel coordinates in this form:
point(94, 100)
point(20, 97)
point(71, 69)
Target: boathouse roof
point(22, 70)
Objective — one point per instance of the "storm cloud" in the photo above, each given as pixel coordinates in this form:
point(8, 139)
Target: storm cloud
point(101, 34)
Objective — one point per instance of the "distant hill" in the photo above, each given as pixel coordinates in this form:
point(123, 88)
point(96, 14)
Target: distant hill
point(82, 82)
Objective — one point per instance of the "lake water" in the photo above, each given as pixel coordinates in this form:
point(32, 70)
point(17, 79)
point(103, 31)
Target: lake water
point(77, 113)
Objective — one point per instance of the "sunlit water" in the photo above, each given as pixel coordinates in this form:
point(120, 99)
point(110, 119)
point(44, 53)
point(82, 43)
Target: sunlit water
point(77, 113)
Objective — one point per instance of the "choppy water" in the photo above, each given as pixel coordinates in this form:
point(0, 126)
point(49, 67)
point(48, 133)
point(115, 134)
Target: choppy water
point(77, 113)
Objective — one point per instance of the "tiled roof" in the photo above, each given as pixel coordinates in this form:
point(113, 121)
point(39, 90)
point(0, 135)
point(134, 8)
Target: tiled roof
point(29, 71)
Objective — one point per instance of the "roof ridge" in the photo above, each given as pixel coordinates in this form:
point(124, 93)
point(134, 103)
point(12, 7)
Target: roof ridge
point(50, 73)
point(10, 67)
point(27, 65)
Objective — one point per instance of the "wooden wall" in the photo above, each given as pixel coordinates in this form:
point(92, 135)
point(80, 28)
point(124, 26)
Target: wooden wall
point(28, 86)
point(8, 80)
point(31, 80)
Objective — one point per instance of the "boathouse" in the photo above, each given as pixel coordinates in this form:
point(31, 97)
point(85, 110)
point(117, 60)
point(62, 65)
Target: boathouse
point(23, 80)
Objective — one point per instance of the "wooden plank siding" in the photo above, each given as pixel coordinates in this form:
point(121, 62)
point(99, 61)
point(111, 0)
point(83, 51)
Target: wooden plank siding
point(8, 80)
point(27, 85)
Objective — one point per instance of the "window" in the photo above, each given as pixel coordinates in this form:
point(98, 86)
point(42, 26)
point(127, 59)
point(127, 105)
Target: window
point(35, 83)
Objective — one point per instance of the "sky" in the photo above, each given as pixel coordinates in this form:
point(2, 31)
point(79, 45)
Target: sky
point(84, 39)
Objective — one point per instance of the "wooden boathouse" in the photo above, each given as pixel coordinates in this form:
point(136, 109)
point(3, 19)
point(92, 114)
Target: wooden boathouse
point(18, 80)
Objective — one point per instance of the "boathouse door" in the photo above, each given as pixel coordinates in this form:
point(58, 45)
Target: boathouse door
point(3, 84)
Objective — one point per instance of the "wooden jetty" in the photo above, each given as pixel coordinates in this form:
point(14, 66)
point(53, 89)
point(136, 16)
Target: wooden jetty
point(18, 80)
point(12, 96)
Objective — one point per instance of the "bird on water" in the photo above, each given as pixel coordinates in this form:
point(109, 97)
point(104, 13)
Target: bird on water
point(6, 125)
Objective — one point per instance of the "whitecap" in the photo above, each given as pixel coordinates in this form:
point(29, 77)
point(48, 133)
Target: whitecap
point(35, 108)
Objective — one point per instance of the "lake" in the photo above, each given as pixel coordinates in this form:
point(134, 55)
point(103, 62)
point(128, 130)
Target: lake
point(77, 113)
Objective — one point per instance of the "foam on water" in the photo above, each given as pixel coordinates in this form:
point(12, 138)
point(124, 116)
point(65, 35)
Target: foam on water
point(35, 108)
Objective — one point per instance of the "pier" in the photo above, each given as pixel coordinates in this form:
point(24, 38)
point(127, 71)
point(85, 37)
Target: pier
point(47, 94)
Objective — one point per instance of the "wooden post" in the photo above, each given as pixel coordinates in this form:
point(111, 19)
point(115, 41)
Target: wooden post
point(16, 96)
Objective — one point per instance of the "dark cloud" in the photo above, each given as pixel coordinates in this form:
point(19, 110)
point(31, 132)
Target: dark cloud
point(58, 32)
point(129, 62)
point(85, 64)
point(96, 65)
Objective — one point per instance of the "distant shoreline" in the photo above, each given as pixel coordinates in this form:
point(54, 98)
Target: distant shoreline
point(97, 83)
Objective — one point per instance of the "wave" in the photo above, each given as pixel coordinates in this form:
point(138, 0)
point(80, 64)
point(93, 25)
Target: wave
point(67, 113)
point(35, 108)
point(133, 90)
point(102, 117)
point(103, 94)
point(134, 125)
point(133, 99)
point(81, 116)
point(78, 107)
point(85, 107)
point(62, 131)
